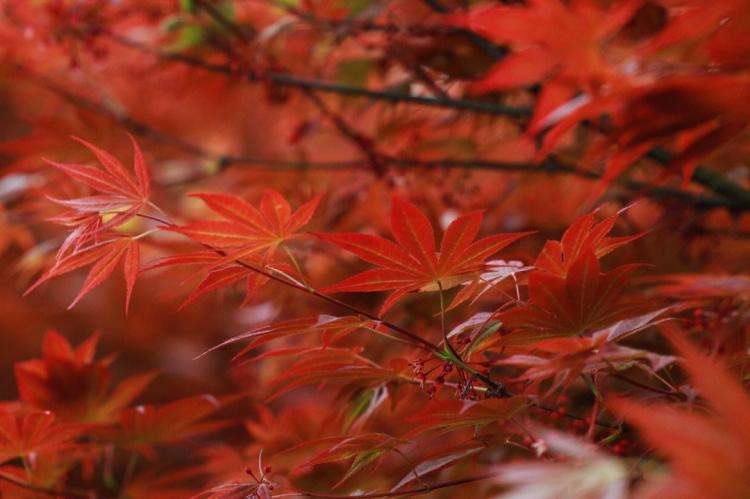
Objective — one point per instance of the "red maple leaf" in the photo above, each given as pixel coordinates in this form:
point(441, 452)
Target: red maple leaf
point(34, 433)
point(246, 233)
point(723, 23)
point(694, 115)
point(717, 440)
point(72, 383)
point(585, 299)
point(569, 58)
point(142, 426)
point(584, 234)
point(92, 240)
point(121, 195)
point(105, 256)
point(413, 263)
point(568, 293)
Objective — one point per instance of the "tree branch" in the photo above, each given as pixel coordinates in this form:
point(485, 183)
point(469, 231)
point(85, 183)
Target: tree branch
point(549, 167)
point(64, 493)
point(289, 80)
point(401, 493)
point(735, 197)
point(709, 178)
point(493, 51)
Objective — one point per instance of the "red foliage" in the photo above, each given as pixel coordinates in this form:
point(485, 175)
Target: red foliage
point(274, 143)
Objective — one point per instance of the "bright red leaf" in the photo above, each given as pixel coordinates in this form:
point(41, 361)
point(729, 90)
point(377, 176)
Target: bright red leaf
point(412, 263)
point(245, 233)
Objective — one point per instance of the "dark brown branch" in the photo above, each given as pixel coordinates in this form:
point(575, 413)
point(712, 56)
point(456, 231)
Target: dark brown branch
point(413, 338)
point(225, 23)
point(401, 493)
point(710, 179)
point(494, 389)
point(737, 198)
point(548, 167)
point(377, 160)
point(62, 493)
point(289, 80)
point(646, 387)
point(491, 50)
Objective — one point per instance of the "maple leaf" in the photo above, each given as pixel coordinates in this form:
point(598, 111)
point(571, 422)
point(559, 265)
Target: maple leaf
point(294, 423)
point(584, 234)
point(584, 300)
point(105, 257)
point(362, 449)
point(412, 263)
point(92, 240)
point(33, 433)
point(710, 460)
point(700, 112)
point(722, 22)
point(449, 415)
point(245, 233)
point(121, 196)
point(333, 365)
point(247, 230)
point(586, 472)
point(584, 77)
point(142, 426)
point(220, 273)
point(497, 272)
point(436, 463)
point(568, 293)
point(563, 359)
point(330, 329)
point(569, 58)
point(72, 383)
point(695, 115)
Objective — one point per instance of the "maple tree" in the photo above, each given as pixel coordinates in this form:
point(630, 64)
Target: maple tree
point(374, 248)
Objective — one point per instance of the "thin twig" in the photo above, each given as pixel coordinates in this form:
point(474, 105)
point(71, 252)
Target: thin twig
point(401, 493)
point(220, 19)
point(290, 80)
point(415, 339)
point(63, 493)
point(376, 159)
point(708, 178)
point(644, 386)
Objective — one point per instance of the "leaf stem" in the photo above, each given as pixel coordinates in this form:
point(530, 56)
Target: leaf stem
point(416, 340)
point(64, 493)
point(401, 493)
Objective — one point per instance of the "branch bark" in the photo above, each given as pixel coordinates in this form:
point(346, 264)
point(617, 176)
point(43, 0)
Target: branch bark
point(290, 80)
point(550, 166)
point(400, 493)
